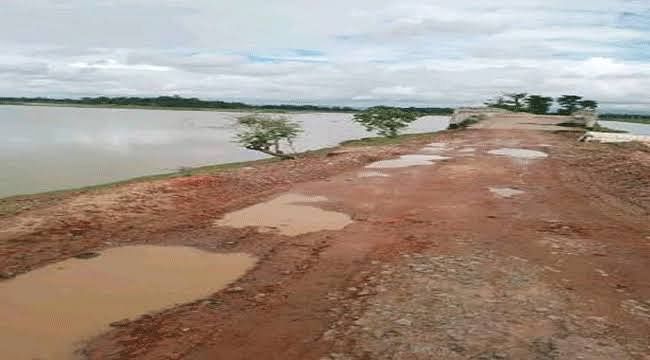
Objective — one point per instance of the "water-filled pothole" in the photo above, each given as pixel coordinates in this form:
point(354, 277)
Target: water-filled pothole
point(367, 174)
point(49, 312)
point(406, 161)
point(287, 214)
point(519, 153)
point(506, 192)
point(467, 150)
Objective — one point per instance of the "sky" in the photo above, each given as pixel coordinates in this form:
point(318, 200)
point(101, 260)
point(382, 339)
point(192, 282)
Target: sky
point(336, 52)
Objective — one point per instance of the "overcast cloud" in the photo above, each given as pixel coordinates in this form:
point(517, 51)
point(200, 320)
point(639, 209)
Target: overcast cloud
point(352, 52)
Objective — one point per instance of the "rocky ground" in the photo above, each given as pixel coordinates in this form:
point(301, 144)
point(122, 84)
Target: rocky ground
point(433, 266)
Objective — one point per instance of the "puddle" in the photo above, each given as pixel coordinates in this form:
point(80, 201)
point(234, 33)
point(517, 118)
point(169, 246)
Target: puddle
point(48, 313)
point(467, 150)
point(406, 161)
point(519, 153)
point(433, 150)
point(287, 214)
point(367, 174)
point(506, 192)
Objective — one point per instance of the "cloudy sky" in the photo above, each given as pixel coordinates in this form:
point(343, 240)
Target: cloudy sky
point(347, 52)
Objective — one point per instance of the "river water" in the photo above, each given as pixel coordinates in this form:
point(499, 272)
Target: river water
point(51, 148)
point(632, 128)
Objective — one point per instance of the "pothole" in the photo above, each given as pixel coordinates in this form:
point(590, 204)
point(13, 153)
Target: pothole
point(287, 214)
point(367, 174)
point(49, 312)
point(406, 161)
point(467, 150)
point(506, 192)
point(519, 153)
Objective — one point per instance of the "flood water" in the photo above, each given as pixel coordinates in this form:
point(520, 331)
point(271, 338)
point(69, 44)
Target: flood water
point(632, 128)
point(49, 312)
point(51, 148)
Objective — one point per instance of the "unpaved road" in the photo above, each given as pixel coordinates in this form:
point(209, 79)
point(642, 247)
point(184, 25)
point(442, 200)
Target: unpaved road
point(434, 265)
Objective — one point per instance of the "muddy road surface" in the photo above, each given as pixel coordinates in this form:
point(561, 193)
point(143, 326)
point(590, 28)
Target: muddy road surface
point(474, 244)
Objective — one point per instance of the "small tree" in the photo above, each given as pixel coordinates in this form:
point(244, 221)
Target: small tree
point(588, 105)
point(499, 103)
point(538, 104)
point(516, 101)
point(265, 134)
point(512, 102)
point(568, 104)
point(386, 121)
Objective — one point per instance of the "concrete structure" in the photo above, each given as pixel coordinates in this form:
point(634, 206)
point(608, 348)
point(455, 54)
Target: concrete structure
point(614, 137)
point(586, 118)
point(464, 113)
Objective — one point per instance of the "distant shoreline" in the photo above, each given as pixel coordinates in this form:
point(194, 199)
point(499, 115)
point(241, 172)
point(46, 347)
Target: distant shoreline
point(142, 107)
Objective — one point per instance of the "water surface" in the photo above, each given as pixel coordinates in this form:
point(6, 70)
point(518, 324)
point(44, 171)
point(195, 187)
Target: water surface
point(49, 312)
point(51, 148)
point(632, 128)
point(288, 214)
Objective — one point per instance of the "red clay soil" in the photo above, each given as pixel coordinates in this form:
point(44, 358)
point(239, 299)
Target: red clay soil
point(558, 272)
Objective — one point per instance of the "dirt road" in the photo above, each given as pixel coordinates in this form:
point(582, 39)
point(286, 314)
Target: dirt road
point(474, 256)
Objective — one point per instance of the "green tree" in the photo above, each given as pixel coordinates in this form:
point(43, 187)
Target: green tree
point(515, 101)
point(511, 101)
point(386, 121)
point(266, 134)
point(588, 105)
point(569, 104)
point(538, 104)
point(499, 102)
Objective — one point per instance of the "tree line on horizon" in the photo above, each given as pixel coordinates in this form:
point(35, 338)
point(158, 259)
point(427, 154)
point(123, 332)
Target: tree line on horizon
point(195, 103)
point(539, 104)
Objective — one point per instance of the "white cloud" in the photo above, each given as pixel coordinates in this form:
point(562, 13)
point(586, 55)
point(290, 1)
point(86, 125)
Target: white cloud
point(359, 52)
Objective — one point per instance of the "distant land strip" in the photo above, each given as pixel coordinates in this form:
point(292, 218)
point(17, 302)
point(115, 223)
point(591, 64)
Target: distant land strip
point(195, 103)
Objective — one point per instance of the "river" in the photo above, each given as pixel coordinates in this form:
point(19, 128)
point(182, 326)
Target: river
point(632, 128)
point(46, 148)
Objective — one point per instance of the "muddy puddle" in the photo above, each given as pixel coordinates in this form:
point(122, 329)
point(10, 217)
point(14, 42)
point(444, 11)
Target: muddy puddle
point(519, 153)
point(289, 215)
point(406, 161)
point(367, 174)
point(467, 150)
point(49, 312)
point(505, 192)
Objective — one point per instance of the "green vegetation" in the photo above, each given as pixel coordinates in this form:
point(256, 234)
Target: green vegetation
point(631, 118)
point(386, 121)
point(538, 104)
point(181, 103)
point(171, 102)
point(265, 134)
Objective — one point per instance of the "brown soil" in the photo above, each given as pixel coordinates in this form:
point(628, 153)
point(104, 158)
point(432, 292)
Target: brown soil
point(434, 265)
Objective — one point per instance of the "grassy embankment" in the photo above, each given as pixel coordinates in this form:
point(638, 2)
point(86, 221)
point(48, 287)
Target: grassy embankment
point(15, 204)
